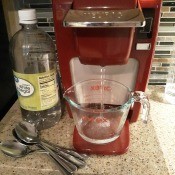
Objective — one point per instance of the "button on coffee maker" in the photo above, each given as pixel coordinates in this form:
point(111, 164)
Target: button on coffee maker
point(105, 47)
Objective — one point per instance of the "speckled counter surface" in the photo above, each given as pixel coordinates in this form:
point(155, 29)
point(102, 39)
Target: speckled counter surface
point(151, 152)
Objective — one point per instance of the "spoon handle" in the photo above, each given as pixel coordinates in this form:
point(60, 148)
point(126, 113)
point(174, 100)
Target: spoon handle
point(75, 154)
point(67, 165)
point(62, 169)
point(78, 162)
point(68, 151)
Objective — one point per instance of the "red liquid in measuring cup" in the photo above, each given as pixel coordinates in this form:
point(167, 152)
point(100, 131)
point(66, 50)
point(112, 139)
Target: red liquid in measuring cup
point(98, 106)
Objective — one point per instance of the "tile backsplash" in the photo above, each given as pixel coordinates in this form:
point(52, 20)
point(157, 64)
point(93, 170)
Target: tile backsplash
point(165, 41)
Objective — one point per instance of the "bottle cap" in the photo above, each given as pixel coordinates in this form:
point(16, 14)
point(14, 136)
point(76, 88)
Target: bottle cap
point(27, 16)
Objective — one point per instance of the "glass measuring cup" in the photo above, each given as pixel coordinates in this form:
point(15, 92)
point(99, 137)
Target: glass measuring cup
point(100, 108)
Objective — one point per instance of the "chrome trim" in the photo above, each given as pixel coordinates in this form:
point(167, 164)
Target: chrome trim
point(104, 18)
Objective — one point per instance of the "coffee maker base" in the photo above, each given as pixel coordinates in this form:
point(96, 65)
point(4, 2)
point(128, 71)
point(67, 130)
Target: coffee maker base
point(119, 146)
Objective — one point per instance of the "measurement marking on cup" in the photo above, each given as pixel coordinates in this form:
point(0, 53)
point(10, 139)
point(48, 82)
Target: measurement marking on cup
point(98, 87)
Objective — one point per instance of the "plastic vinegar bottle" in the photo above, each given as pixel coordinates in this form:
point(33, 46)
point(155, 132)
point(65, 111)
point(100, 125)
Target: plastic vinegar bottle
point(34, 65)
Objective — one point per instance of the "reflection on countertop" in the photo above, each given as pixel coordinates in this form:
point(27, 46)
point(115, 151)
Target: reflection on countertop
point(151, 149)
point(156, 93)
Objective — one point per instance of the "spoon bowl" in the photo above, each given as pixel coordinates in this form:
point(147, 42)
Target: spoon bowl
point(19, 140)
point(27, 132)
point(14, 149)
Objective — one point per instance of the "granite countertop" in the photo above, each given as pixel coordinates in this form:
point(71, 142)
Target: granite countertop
point(151, 152)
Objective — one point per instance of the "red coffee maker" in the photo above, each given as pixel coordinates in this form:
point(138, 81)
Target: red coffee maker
point(117, 35)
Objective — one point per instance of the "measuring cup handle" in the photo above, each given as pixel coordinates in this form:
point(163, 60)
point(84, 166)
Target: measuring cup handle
point(142, 98)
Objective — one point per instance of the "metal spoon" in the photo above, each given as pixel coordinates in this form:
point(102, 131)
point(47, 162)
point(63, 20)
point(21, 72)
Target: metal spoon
point(34, 132)
point(16, 149)
point(79, 163)
point(30, 135)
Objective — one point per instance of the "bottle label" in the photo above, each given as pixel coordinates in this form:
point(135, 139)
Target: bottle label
point(37, 92)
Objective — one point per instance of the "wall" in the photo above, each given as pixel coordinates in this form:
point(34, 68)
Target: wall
point(164, 55)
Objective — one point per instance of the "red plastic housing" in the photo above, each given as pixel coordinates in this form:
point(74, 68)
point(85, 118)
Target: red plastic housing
point(113, 44)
